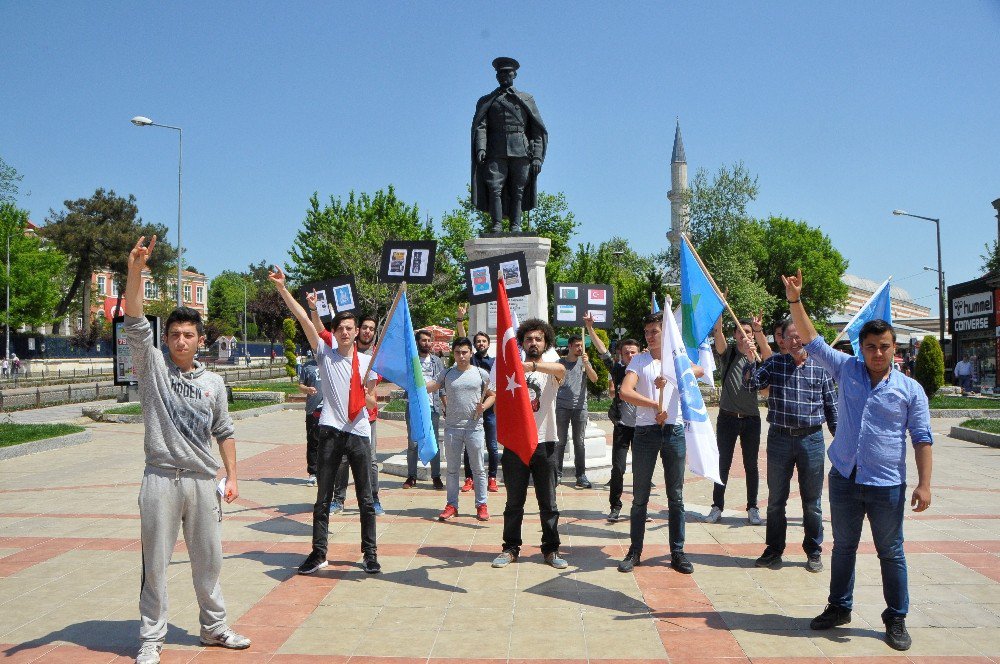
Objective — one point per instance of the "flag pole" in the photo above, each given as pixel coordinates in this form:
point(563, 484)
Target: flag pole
point(378, 344)
point(864, 306)
point(718, 292)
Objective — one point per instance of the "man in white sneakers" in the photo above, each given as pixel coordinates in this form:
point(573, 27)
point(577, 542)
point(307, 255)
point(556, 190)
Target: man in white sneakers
point(183, 408)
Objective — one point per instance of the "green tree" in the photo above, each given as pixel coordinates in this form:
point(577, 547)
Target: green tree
point(991, 257)
point(225, 298)
point(790, 245)
point(10, 181)
point(34, 271)
point(268, 311)
point(929, 367)
point(289, 329)
point(99, 232)
point(346, 237)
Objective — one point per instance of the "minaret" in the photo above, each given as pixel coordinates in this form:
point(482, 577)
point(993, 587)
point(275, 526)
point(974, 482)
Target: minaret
point(678, 188)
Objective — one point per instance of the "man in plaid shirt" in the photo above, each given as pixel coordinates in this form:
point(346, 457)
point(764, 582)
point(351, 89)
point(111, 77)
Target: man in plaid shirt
point(801, 398)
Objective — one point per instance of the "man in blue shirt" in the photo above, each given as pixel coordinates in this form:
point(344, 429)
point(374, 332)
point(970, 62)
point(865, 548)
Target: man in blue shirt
point(877, 406)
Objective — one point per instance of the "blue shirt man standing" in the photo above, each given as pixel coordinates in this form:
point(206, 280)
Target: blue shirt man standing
point(878, 406)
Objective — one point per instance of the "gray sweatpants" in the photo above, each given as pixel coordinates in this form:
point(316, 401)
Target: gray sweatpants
point(169, 499)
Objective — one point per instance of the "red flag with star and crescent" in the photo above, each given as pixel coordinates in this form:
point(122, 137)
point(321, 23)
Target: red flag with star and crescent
point(516, 428)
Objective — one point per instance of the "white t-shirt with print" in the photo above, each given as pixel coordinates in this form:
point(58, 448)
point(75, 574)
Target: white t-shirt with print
point(647, 369)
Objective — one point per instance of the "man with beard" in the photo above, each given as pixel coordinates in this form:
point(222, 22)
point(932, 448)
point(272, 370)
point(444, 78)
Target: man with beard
point(801, 399)
point(535, 336)
point(480, 359)
point(365, 344)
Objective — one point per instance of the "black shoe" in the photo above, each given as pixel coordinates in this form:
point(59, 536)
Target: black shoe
point(438, 484)
point(680, 562)
point(312, 564)
point(630, 562)
point(583, 483)
point(832, 616)
point(370, 565)
point(814, 563)
point(896, 635)
point(615, 514)
point(770, 560)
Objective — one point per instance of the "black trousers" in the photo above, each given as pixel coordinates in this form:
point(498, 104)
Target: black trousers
point(727, 429)
point(312, 442)
point(336, 447)
point(621, 440)
point(542, 470)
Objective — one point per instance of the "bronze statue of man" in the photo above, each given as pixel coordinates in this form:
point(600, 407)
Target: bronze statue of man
point(508, 148)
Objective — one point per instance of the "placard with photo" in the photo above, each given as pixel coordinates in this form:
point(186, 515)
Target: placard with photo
point(332, 296)
point(407, 260)
point(481, 275)
point(573, 301)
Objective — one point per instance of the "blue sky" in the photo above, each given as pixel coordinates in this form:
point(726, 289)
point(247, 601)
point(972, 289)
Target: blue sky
point(845, 111)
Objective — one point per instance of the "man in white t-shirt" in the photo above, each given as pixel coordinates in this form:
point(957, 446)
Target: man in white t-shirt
point(535, 336)
point(343, 425)
point(659, 431)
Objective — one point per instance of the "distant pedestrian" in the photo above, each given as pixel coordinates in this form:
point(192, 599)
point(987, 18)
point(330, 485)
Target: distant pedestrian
point(5, 368)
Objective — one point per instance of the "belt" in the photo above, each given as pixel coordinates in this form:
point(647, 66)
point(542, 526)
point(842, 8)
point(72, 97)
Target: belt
point(514, 130)
point(739, 416)
point(803, 431)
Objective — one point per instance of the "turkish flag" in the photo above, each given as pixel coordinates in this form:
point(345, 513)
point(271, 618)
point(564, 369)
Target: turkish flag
point(516, 428)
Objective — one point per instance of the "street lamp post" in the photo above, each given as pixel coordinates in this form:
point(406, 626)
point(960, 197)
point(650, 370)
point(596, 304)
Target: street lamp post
point(245, 353)
point(140, 121)
point(7, 310)
point(940, 271)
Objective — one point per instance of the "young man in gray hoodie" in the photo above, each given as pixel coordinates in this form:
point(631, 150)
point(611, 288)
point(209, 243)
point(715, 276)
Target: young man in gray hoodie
point(183, 408)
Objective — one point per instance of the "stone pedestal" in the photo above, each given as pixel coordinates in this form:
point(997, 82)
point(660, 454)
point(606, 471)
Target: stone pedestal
point(482, 317)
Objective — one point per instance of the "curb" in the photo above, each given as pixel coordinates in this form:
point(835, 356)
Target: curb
point(98, 414)
point(393, 416)
point(44, 445)
point(975, 436)
point(966, 412)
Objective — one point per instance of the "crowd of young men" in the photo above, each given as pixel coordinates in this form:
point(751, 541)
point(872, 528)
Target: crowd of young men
point(869, 416)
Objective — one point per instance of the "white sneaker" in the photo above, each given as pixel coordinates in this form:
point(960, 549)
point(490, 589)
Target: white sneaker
point(311, 481)
point(714, 515)
point(226, 638)
point(753, 516)
point(149, 652)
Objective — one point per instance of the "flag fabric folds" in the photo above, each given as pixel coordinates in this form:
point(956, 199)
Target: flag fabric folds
point(701, 306)
point(699, 437)
point(399, 362)
point(879, 305)
point(516, 428)
point(654, 306)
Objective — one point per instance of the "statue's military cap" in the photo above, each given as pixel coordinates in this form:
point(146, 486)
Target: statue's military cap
point(506, 63)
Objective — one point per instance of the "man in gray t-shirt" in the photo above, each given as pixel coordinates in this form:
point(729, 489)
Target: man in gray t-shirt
point(571, 408)
point(469, 396)
point(739, 413)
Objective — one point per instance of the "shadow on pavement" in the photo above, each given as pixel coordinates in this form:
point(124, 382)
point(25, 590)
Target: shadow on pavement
point(120, 637)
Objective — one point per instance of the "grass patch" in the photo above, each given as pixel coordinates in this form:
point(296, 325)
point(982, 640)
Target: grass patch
point(964, 402)
point(394, 406)
point(287, 388)
point(15, 434)
point(982, 424)
point(236, 405)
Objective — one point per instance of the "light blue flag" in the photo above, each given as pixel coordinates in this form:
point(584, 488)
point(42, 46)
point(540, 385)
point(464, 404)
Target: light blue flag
point(398, 362)
point(654, 307)
point(879, 305)
point(701, 306)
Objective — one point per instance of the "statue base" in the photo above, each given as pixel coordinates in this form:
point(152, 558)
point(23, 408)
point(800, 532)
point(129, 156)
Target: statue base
point(483, 317)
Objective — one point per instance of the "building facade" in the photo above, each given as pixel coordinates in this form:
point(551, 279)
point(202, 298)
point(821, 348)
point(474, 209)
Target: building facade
point(104, 292)
point(973, 308)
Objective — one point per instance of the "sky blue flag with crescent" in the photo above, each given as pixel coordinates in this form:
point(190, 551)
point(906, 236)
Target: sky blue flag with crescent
point(879, 305)
point(699, 438)
point(654, 306)
point(701, 306)
point(398, 362)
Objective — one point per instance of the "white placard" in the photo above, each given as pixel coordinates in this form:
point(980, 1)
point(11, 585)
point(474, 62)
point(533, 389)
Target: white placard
point(519, 305)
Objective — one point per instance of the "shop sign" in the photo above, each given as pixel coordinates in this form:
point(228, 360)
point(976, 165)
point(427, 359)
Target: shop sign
point(969, 306)
point(977, 324)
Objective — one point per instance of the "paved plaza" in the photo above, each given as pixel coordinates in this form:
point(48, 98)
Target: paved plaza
point(70, 570)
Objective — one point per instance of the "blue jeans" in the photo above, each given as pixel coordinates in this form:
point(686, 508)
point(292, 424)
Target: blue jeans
point(411, 447)
point(492, 452)
point(667, 442)
point(883, 505)
point(806, 455)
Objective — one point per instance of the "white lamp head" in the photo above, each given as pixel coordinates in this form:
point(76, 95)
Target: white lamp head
point(895, 212)
point(141, 121)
